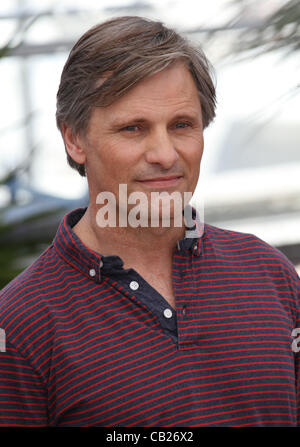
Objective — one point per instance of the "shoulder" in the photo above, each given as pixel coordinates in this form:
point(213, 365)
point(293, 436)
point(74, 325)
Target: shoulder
point(247, 248)
point(235, 241)
point(24, 310)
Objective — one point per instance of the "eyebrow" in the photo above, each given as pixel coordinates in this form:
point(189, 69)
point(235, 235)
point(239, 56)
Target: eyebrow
point(121, 122)
point(127, 120)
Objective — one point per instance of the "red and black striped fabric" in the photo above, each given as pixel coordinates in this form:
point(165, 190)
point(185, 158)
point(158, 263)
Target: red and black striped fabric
point(91, 344)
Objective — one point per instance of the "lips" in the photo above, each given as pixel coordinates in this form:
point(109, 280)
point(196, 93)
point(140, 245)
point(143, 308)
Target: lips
point(163, 181)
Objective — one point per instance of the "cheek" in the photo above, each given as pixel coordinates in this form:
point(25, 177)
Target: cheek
point(194, 159)
point(124, 159)
point(115, 168)
point(195, 152)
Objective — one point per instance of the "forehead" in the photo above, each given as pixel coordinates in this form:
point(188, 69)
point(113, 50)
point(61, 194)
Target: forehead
point(170, 89)
point(174, 80)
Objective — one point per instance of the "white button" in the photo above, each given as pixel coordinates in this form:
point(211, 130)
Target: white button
point(92, 272)
point(195, 247)
point(101, 263)
point(134, 285)
point(168, 313)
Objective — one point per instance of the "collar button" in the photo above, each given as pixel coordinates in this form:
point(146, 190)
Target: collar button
point(134, 285)
point(92, 272)
point(168, 313)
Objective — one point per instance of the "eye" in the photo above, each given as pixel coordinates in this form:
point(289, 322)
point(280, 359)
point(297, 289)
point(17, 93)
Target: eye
point(182, 125)
point(131, 128)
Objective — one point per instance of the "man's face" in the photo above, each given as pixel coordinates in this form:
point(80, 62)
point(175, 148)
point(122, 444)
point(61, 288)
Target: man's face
point(150, 139)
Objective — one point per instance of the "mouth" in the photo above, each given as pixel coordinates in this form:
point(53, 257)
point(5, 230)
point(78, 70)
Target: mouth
point(162, 182)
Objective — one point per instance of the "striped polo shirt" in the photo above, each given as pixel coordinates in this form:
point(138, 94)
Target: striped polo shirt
point(89, 343)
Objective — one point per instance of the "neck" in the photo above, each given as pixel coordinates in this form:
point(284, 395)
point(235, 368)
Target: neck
point(127, 242)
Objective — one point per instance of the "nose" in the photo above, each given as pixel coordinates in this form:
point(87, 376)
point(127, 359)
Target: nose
point(161, 149)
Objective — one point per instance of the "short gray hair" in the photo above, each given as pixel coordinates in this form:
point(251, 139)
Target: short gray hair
point(130, 48)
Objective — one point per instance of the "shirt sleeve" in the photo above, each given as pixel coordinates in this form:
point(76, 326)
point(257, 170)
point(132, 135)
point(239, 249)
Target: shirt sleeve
point(23, 400)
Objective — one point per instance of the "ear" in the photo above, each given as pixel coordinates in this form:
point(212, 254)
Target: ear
point(73, 145)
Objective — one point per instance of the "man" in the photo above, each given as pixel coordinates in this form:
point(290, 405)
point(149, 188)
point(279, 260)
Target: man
point(124, 325)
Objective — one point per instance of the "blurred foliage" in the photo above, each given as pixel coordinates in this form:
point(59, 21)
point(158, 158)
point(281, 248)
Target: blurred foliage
point(17, 251)
point(280, 30)
point(17, 37)
point(10, 264)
